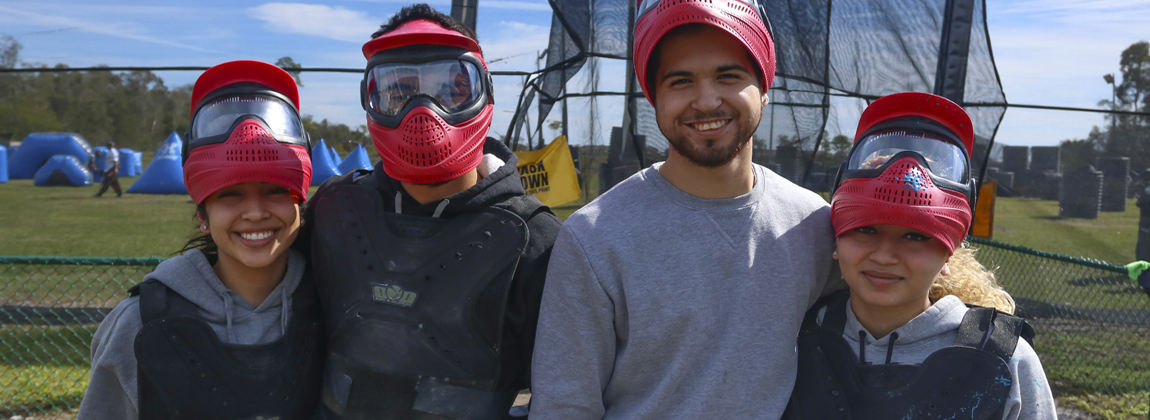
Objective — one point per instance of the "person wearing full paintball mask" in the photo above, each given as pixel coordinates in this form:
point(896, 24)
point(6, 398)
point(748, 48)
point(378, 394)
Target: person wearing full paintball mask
point(430, 267)
point(231, 329)
point(907, 340)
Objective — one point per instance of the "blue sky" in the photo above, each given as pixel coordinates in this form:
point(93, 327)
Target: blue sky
point(1049, 52)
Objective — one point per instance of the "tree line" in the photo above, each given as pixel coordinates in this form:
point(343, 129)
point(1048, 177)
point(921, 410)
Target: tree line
point(135, 109)
point(1124, 135)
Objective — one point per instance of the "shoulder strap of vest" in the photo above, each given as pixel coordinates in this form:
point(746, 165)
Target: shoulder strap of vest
point(525, 206)
point(158, 301)
point(349, 178)
point(993, 331)
point(153, 300)
point(834, 319)
point(305, 292)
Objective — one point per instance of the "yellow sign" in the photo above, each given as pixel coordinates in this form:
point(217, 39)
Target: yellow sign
point(549, 173)
point(983, 226)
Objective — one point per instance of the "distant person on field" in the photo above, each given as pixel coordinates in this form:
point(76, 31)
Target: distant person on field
point(112, 174)
point(231, 329)
point(678, 294)
point(902, 343)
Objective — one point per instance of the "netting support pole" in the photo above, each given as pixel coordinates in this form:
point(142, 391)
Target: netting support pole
point(464, 11)
point(563, 53)
point(953, 49)
point(629, 105)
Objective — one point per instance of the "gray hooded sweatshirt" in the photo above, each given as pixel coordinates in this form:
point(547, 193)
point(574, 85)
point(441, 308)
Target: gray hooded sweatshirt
point(1030, 396)
point(112, 388)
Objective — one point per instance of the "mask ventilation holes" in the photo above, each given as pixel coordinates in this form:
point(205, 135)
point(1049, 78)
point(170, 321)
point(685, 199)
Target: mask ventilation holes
point(252, 154)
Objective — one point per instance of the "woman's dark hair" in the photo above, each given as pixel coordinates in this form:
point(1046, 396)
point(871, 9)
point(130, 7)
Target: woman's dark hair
point(203, 241)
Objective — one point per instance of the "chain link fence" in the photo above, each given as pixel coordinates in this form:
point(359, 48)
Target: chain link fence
point(49, 310)
point(1092, 323)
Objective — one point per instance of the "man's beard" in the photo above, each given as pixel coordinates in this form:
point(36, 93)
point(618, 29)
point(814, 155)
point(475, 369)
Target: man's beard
point(712, 158)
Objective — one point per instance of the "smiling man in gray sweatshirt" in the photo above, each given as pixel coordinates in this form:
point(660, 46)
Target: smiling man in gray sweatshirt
point(679, 293)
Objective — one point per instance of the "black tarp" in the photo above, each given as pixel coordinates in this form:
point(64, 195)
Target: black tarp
point(833, 58)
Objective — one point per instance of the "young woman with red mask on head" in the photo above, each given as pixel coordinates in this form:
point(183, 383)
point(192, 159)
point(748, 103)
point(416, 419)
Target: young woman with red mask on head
point(231, 328)
point(907, 341)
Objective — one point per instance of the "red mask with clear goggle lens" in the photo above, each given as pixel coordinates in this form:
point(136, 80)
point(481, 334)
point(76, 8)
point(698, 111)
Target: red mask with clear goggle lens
point(248, 130)
point(909, 167)
point(427, 93)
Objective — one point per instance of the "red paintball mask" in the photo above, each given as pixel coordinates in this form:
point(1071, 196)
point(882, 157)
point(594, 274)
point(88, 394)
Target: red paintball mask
point(428, 97)
point(910, 166)
point(245, 128)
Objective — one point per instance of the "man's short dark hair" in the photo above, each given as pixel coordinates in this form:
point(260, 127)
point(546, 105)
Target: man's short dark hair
point(657, 57)
point(423, 11)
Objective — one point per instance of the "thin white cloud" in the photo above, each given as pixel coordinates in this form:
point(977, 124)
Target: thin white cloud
point(1072, 6)
point(114, 29)
point(316, 20)
point(541, 6)
point(516, 5)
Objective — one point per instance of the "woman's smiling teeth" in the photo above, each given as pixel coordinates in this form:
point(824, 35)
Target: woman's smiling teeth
point(256, 236)
point(709, 125)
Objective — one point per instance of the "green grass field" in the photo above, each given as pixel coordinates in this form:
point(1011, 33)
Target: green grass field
point(45, 368)
point(68, 221)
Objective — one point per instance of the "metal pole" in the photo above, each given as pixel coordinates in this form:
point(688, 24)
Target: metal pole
point(465, 11)
point(954, 49)
point(563, 56)
point(629, 104)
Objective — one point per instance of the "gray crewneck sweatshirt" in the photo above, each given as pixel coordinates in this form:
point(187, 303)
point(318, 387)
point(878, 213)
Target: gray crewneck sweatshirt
point(662, 305)
point(112, 388)
point(1030, 395)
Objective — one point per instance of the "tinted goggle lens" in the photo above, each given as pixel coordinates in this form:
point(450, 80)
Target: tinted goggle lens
point(217, 117)
point(453, 84)
point(944, 158)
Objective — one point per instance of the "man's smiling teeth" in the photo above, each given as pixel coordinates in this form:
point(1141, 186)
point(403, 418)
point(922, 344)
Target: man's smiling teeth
point(709, 126)
point(256, 236)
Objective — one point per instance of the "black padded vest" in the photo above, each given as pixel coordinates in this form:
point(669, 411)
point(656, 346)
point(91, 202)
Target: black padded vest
point(414, 305)
point(970, 379)
point(186, 373)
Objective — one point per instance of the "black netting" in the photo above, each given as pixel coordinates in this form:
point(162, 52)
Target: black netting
point(859, 49)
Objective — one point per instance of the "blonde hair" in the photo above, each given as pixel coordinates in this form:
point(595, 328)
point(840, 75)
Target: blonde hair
point(971, 282)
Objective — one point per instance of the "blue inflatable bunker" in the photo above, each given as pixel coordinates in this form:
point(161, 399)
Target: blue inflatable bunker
point(62, 170)
point(334, 156)
point(37, 148)
point(130, 163)
point(322, 167)
point(357, 159)
point(165, 175)
point(98, 162)
point(3, 165)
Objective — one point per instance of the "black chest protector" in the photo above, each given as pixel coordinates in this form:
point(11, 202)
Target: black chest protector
point(186, 373)
point(969, 379)
point(414, 306)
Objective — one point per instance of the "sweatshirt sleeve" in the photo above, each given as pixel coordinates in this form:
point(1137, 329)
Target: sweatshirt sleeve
point(575, 341)
point(111, 390)
point(1030, 395)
